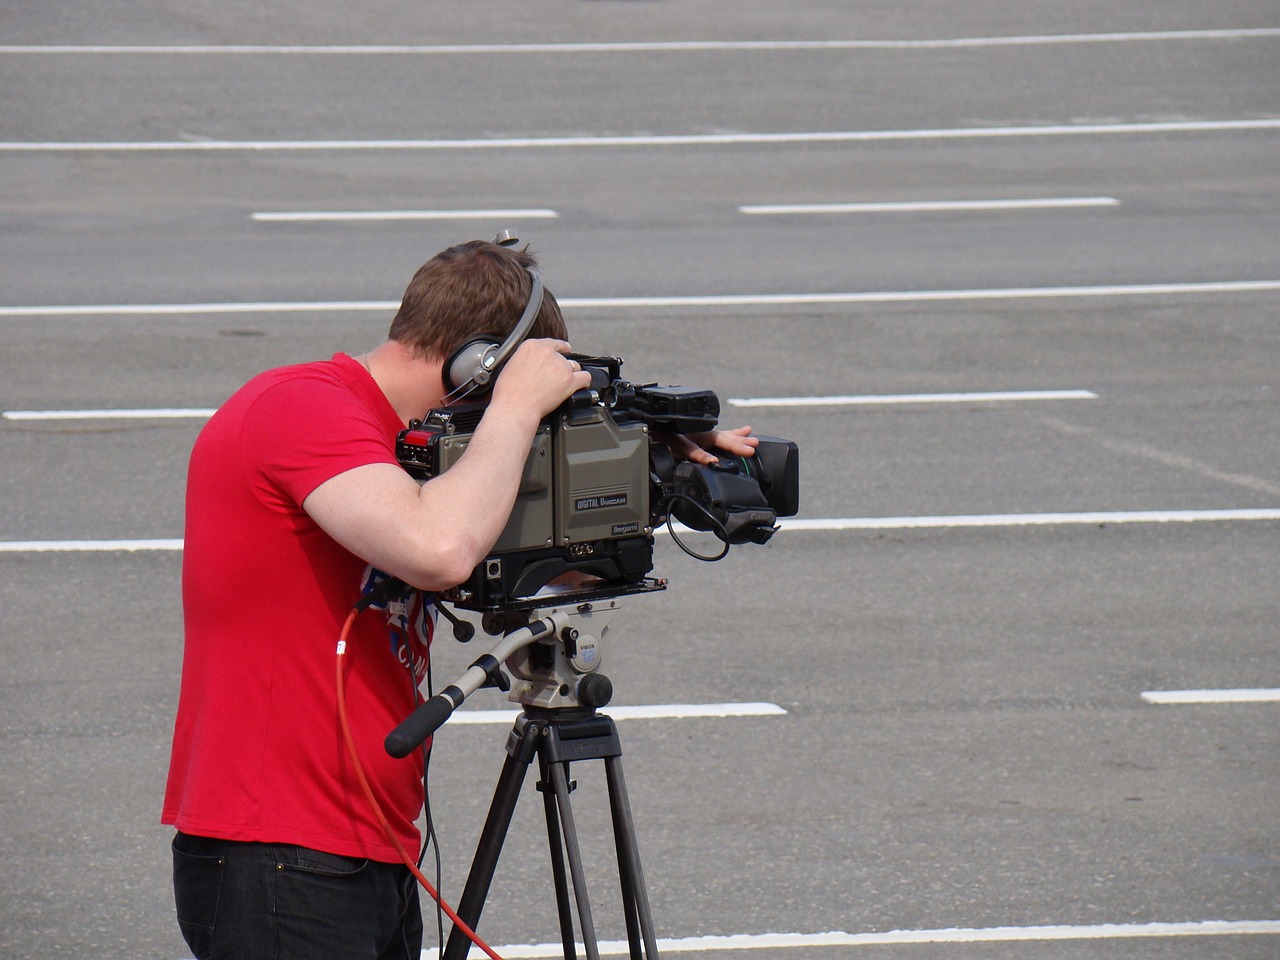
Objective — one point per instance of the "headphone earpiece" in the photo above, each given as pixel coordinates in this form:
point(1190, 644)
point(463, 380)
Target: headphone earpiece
point(470, 369)
point(467, 364)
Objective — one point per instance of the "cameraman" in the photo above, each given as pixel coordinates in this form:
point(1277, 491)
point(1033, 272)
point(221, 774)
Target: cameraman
point(296, 505)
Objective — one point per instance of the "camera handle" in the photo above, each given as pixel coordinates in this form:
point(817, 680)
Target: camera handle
point(431, 715)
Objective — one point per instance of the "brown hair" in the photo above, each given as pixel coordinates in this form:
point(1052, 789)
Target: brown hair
point(474, 289)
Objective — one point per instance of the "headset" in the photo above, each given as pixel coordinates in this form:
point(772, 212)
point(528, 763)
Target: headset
point(471, 368)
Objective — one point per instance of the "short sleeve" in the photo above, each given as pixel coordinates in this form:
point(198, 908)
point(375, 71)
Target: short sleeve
point(306, 430)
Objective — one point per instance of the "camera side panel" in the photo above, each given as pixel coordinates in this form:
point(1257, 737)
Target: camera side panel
point(532, 516)
point(602, 479)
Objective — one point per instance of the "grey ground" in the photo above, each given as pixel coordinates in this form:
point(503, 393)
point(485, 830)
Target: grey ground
point(965, 743)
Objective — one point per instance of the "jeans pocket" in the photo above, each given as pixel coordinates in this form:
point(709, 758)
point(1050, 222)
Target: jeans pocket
point(197, 889)
point(323, 864)
point(324, 899)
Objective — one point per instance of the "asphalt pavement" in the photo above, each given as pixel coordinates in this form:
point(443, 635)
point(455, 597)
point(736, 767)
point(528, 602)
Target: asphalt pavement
point(1009, 276)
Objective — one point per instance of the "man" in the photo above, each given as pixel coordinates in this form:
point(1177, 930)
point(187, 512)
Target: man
point(295, 505)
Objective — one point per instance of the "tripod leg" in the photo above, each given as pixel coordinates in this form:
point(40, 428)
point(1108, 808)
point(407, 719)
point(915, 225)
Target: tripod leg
point(635, 896)
point(558, 875)
point(520, 751)
point(560, 783)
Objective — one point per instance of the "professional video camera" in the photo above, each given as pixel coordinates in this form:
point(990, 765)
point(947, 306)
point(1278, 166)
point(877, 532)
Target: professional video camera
point(599, 480)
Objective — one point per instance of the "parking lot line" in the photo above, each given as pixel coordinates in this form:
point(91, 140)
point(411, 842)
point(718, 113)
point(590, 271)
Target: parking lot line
point(649, 140)
point(1099, 518)
point(790, 941)
point(1028, 519)
point(658, 711)
point(928, 206)
point(88, 546)
point(1255, 695)
point(375, 216)
point(643, 46)
point(897, 398)
point(708, 301)
point(142, 413)
point(196, 413)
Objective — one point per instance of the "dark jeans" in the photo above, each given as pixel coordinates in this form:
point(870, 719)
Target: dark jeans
point(269, 901)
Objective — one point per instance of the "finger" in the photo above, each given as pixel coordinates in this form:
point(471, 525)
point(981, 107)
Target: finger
point(560, 346)
point(732, 441)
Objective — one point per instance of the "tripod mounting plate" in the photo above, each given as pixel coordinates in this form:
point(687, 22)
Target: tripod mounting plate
point(557, 596)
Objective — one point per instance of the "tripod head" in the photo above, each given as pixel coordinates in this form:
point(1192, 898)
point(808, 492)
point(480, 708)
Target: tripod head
point(553, 648)
point(561, 670)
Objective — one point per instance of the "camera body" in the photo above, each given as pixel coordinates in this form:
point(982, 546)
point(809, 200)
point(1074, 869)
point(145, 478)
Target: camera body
point(596, 483)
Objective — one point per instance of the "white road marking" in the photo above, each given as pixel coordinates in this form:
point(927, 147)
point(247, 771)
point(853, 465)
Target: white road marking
point(837, 938)
point(1211, 696)
point(186, 309)
point(701, 301)
point(929, 296)
point(87, 546)
point(181, 413)
point(1028, 519)
point(642, 46)
point(159, 413)
point(929, 206)
point(669, 711)
point(642, 140)
point(790, 524)
point(912, 398)
point(366, 216)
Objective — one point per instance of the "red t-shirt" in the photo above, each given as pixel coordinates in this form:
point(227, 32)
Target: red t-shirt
point(258, 752)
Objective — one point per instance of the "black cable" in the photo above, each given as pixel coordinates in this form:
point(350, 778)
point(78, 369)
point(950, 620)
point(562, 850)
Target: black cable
point(431, 839)
point(381, 593)
point(717, 528)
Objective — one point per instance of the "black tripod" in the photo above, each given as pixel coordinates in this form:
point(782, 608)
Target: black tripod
point(558, 737)
point(554, 657)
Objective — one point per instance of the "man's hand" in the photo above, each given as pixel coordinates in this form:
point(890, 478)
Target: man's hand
point(695, 446)
point(539, 377)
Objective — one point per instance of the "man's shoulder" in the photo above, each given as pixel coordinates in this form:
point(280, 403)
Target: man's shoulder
point(277, 403)
point(311, 382)
point(296, 425)
point(310, 375)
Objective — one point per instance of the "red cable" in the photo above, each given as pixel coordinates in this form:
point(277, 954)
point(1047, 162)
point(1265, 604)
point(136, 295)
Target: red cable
point(377, 807)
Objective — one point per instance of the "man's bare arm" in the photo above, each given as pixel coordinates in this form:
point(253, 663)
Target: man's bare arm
point(433, 535)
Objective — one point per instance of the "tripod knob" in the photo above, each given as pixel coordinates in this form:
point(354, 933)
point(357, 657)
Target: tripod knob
point(595, 690)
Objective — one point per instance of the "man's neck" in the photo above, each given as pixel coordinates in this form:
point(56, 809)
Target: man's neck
point(412, 385)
